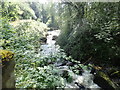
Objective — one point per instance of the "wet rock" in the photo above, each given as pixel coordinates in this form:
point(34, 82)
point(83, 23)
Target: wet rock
point(41, 49)
point(54, 37)
point(64, 63)
point(43, 39)
point(104, 81)
point(80, 85)
point(50, 29)
point(70, 64)
point(46, 35)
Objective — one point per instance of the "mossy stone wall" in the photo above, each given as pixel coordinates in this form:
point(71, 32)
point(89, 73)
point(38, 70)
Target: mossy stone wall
point(7, 63)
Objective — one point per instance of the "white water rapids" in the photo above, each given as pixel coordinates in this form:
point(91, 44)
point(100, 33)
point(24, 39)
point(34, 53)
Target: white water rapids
point(86, 79)
point(50, 48)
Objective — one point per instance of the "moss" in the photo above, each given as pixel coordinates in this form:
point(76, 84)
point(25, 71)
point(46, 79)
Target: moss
point(105, 77)
point(5, 56)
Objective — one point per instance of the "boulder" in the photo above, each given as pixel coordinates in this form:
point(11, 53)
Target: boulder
point(8, 64)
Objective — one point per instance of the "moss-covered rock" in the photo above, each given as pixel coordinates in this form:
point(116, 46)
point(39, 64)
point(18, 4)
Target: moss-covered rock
point(104, 81)
point(114, 74)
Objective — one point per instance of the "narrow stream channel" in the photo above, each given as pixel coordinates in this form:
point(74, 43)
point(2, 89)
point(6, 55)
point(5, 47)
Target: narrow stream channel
point(79, 81)
point(50, 48)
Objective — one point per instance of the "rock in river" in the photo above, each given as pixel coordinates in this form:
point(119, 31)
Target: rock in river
point(54, 37)
point(43, 39)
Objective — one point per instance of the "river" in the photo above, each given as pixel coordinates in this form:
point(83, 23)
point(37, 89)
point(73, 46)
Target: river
point(79, 81)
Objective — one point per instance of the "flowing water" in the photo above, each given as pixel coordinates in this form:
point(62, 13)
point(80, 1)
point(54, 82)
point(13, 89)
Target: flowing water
point(50, 48)
point(79, 81)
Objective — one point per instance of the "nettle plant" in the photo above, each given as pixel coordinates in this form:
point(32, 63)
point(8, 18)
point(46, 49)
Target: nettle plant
point(39, 77)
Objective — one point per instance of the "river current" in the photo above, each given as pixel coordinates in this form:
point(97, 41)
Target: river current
point(86, 79)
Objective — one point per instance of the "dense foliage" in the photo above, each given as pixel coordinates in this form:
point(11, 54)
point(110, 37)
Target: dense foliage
point(91, 31)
